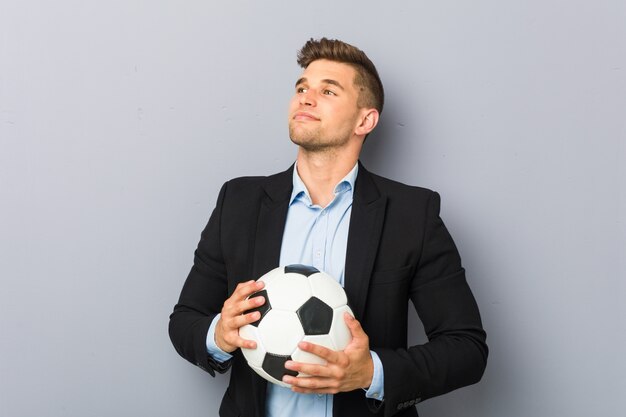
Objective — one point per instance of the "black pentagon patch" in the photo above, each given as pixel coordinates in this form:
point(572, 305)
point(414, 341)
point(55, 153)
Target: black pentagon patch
point(301, 269)
point(274, 365)
point(262, 308)
point(316, 316)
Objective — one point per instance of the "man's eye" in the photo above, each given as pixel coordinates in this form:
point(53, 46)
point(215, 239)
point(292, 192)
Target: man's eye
point(329, 92)
point(300, 90)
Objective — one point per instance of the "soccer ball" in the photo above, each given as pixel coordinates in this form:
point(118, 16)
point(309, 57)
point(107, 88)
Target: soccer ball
point(301, 304)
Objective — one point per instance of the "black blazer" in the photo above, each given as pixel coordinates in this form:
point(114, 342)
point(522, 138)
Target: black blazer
point(398, 250)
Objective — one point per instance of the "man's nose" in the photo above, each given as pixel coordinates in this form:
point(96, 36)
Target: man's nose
point(307, 98)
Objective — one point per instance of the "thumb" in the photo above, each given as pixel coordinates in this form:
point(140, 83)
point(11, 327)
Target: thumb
point(354, 326)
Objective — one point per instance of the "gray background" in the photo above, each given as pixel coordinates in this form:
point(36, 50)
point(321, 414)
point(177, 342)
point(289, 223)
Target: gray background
point(119, 121)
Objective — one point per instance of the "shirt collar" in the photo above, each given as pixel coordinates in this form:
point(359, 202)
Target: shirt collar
point(300, 191)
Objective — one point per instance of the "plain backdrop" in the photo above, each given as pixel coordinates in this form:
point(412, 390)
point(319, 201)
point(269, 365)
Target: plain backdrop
point(120, 120)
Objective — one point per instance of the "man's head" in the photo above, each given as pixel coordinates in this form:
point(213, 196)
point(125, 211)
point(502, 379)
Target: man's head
point(337, 99)
point(371, 93)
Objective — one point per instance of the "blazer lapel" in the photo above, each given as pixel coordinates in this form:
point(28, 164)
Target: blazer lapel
point(366, 224)
point(271, 222)
point(267, 243)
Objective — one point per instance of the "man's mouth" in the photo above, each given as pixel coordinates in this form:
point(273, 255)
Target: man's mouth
point(304, 116)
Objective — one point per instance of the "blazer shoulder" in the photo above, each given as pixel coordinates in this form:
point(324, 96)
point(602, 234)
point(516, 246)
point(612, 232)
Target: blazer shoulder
point(398, 190)
point(244, 183)
point(274, 185)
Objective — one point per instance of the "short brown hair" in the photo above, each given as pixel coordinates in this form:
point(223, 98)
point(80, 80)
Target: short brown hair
point(371, 93)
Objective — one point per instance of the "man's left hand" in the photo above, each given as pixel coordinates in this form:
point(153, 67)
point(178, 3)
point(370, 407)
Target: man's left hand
point(345, 370)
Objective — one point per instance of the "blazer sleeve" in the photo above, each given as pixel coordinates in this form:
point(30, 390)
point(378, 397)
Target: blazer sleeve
point(456, 353)
point(202, 296)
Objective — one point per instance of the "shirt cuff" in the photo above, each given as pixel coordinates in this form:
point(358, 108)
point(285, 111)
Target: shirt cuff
point(216, 353)
point(376, 390)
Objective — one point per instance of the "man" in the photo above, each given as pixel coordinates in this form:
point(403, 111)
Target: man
point(382, 240)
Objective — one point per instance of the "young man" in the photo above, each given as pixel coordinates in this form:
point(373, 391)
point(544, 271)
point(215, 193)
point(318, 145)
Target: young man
point(382, 240)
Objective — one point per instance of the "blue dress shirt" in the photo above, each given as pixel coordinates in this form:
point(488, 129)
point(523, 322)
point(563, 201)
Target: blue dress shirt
point(316, 236)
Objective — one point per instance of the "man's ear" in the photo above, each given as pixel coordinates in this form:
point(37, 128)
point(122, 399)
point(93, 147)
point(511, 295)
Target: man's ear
point(368, 121)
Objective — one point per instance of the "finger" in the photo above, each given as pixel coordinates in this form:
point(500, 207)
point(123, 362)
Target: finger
point(235, 322)
point(246, 305)
point(250, 306)
point(239, 302)
point(253, 302)
point(301, 390)
point(356, 330)
point(318, 350)
point(227, 337)
point(310, 369)
point(311, 385)
point(240, 342)
point(245, 289)
point(352, 323)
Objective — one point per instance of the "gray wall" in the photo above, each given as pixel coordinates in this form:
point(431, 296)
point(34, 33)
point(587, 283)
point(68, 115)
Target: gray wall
point(119, 120)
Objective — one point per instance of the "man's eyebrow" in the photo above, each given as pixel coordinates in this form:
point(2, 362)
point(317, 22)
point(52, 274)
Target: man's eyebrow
point(325, 81)
point(333, 82)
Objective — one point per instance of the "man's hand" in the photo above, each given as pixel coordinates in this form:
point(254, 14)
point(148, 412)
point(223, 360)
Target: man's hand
point(227, 328)
point(345, 370)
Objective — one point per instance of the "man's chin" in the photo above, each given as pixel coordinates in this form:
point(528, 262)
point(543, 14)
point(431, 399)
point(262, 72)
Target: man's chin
point(308, 144)
point(303, 138)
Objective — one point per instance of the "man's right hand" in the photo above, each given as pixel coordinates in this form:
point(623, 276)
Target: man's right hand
point(227, 328)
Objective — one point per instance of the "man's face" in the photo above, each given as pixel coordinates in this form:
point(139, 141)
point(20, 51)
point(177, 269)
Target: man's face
point(323, 112)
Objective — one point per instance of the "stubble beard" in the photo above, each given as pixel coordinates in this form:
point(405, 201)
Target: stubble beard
point(312, 141)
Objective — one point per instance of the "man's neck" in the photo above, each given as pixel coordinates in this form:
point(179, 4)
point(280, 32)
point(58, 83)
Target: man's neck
point(321, 172)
